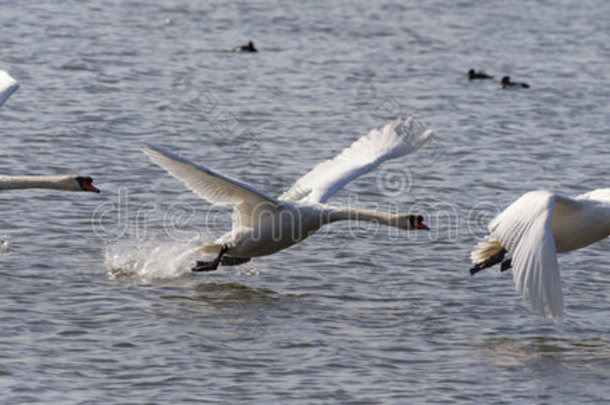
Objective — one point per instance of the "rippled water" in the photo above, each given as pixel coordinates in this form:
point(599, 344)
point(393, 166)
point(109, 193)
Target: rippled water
point(98, 300)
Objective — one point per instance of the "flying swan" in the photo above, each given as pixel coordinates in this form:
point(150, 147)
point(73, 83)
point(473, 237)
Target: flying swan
point(8, 86)
point(263, 224)
point(533, 229)
point(72, 182)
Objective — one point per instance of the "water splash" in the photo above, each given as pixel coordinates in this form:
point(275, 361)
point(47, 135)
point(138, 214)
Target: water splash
point(151, 260)
point(5, 244)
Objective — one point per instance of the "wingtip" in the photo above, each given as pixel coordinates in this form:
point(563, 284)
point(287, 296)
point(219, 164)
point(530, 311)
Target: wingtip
point(413, 130)
point(149, 147)
point(154, 150)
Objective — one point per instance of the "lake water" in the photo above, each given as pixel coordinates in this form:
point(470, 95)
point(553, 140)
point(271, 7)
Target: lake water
point(98, 302)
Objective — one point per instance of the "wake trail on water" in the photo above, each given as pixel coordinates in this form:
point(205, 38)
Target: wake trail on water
point(151, 260)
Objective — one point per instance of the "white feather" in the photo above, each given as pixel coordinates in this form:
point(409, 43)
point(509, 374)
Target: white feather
point(601, 194)
point(392, 141)
point(537, 226)
point(263, 225)
point(8, 86)
point(213, 186)
point(524, 230)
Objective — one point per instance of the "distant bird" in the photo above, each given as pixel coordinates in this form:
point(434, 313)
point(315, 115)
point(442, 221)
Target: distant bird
point(8, 86)
point(507, 84)
point(72, 182)
point(533, 230)
point(245, 48)
point(472, 75)
point(263, 224)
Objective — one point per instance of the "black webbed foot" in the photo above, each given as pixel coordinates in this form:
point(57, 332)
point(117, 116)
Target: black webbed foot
point(213, 265)
point(506, 264)
point(495, 259)
point(233, 261)
point(205, 266)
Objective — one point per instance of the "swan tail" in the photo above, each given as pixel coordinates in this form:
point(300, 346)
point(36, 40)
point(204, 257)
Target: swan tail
point(487, 254)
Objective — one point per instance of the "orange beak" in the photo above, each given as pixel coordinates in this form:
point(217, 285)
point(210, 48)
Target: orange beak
point(90, 187)
point(421, 225)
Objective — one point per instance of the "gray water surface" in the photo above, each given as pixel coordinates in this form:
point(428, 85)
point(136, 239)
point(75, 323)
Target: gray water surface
point(98, 303)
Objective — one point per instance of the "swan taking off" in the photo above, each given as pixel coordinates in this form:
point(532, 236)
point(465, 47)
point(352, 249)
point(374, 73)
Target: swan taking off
point(533, 229)
point(8, 86)
point(263, 224)
point(72, 182)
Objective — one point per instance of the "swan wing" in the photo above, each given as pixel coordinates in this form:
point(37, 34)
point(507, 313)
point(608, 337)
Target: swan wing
point(524, 229)
point(393, 140)
point(208, 184)
point(8, 86)
point(601, 195)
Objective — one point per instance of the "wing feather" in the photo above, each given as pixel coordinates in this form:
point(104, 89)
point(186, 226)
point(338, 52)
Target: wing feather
point(524, 229)
point(392, 141)
point(8, 86)
point(208, 184)
point(601, 194)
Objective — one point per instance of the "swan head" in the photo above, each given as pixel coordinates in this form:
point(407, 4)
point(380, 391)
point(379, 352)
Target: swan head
point(412, 222)
point(81, 183)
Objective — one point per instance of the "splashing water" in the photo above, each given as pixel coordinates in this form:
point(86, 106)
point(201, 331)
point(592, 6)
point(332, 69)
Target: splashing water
point(4, 244)
point(151, 260)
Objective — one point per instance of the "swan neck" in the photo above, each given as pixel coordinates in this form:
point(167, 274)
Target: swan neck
point(359, 214)
point(25, 182)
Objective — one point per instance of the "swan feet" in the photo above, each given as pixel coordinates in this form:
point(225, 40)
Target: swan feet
point(233, 261)
point(495, 259)
point(213, 265)
point(506, 264)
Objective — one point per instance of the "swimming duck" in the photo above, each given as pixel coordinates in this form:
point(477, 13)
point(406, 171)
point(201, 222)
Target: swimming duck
point(507, 84)
point(474, 75)
point(245, 48)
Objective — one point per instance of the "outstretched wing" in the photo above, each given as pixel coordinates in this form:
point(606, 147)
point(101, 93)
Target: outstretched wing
point(213, 186)
point(524, 229)
point(600, 194)
point(392, 141)
point(8, 86)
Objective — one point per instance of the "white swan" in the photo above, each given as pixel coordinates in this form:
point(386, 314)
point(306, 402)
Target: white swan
point(263, 224)
point(8, 86)
point(533, 229)
point(73, 182)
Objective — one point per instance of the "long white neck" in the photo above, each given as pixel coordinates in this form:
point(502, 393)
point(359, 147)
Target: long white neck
point(333, 214)
point(24, 182)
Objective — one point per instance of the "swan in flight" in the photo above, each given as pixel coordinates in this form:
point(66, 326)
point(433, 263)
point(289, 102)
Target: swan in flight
point(533, 230)
point(8, 86)
point(73, 182)
point(263, 224)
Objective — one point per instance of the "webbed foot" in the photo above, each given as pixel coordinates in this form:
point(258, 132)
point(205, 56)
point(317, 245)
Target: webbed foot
point(213, 265)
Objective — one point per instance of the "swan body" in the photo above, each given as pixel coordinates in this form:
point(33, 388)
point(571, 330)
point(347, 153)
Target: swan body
point(8, 86)
point(536, 227)
point(263, 225)
point(72, 182)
